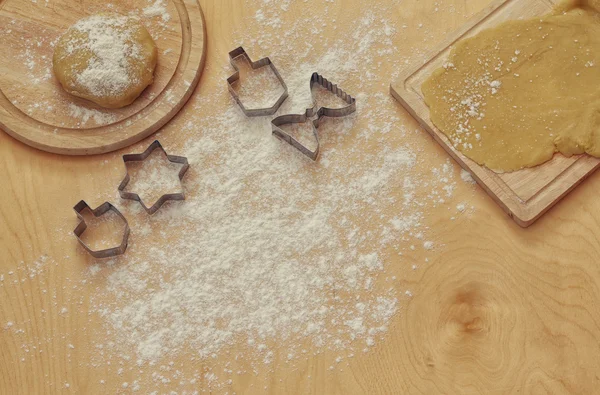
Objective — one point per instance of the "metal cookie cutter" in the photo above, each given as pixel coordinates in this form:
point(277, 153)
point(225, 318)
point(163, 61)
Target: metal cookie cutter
point(99, 211)
point(140, 157)
point(254, 112)
point(311, 112)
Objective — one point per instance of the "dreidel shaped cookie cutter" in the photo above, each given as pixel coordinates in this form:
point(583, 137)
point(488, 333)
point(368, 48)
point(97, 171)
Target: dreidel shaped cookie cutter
point(254, 112)
point(140, 157)
point(310, 113)
point(98, 212)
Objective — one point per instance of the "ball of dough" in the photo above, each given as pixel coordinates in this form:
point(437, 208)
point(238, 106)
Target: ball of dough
point(106, 58)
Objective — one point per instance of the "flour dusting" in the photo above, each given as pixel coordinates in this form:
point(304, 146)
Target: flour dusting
point(272, 258)
point(158, 8)
point(85, 114)
point(109, 40)
point(271, 251)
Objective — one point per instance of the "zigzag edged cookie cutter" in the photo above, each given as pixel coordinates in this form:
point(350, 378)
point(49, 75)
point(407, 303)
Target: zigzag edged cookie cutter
point(98, 212)
point(254, 112)
point(140, 157)
point(311, 112)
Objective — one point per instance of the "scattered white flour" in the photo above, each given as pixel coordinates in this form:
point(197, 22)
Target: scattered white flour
point(495, 85)
point(154, 177)
point(469, 103)
point(271, 249)
point(85, 114)
point(108, 38)
point(39, 66)
point(446, 185)
point(271, 257)
point(467, 177)
point(158, 8)
point(448, 65)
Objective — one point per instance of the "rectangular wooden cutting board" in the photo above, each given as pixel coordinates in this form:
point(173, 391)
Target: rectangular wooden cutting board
point(525, 194)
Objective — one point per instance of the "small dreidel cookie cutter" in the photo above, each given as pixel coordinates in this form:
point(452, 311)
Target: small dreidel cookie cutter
point(140, 157)
point(320, 113)
point(98, 212)
point(254, 112)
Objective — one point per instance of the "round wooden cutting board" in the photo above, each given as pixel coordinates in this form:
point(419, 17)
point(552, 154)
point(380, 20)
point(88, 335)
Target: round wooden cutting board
point(37, 111)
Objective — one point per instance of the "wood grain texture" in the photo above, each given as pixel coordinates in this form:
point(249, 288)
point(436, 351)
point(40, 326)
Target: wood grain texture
point(35, 110)
point(525, 194)
point(500, 309)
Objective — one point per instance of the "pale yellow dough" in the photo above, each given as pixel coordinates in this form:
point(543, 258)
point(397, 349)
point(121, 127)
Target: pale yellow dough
point(106, 58)
point(512, 96)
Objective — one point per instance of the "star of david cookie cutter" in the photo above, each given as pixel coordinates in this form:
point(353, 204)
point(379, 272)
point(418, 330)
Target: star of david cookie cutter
point(254, 112)
point(315, 110)
point(98, 212)
point(140, 157)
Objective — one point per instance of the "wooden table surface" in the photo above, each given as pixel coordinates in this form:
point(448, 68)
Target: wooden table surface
point(499, 309)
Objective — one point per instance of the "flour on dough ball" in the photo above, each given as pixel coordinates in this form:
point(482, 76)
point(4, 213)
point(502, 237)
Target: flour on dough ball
point(106, 58)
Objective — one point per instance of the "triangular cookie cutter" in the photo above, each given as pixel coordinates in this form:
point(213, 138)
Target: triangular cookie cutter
point(311, 112)
point(254, 112)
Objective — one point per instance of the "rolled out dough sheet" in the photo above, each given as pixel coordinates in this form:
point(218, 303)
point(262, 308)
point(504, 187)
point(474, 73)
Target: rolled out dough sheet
point(512, 96)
